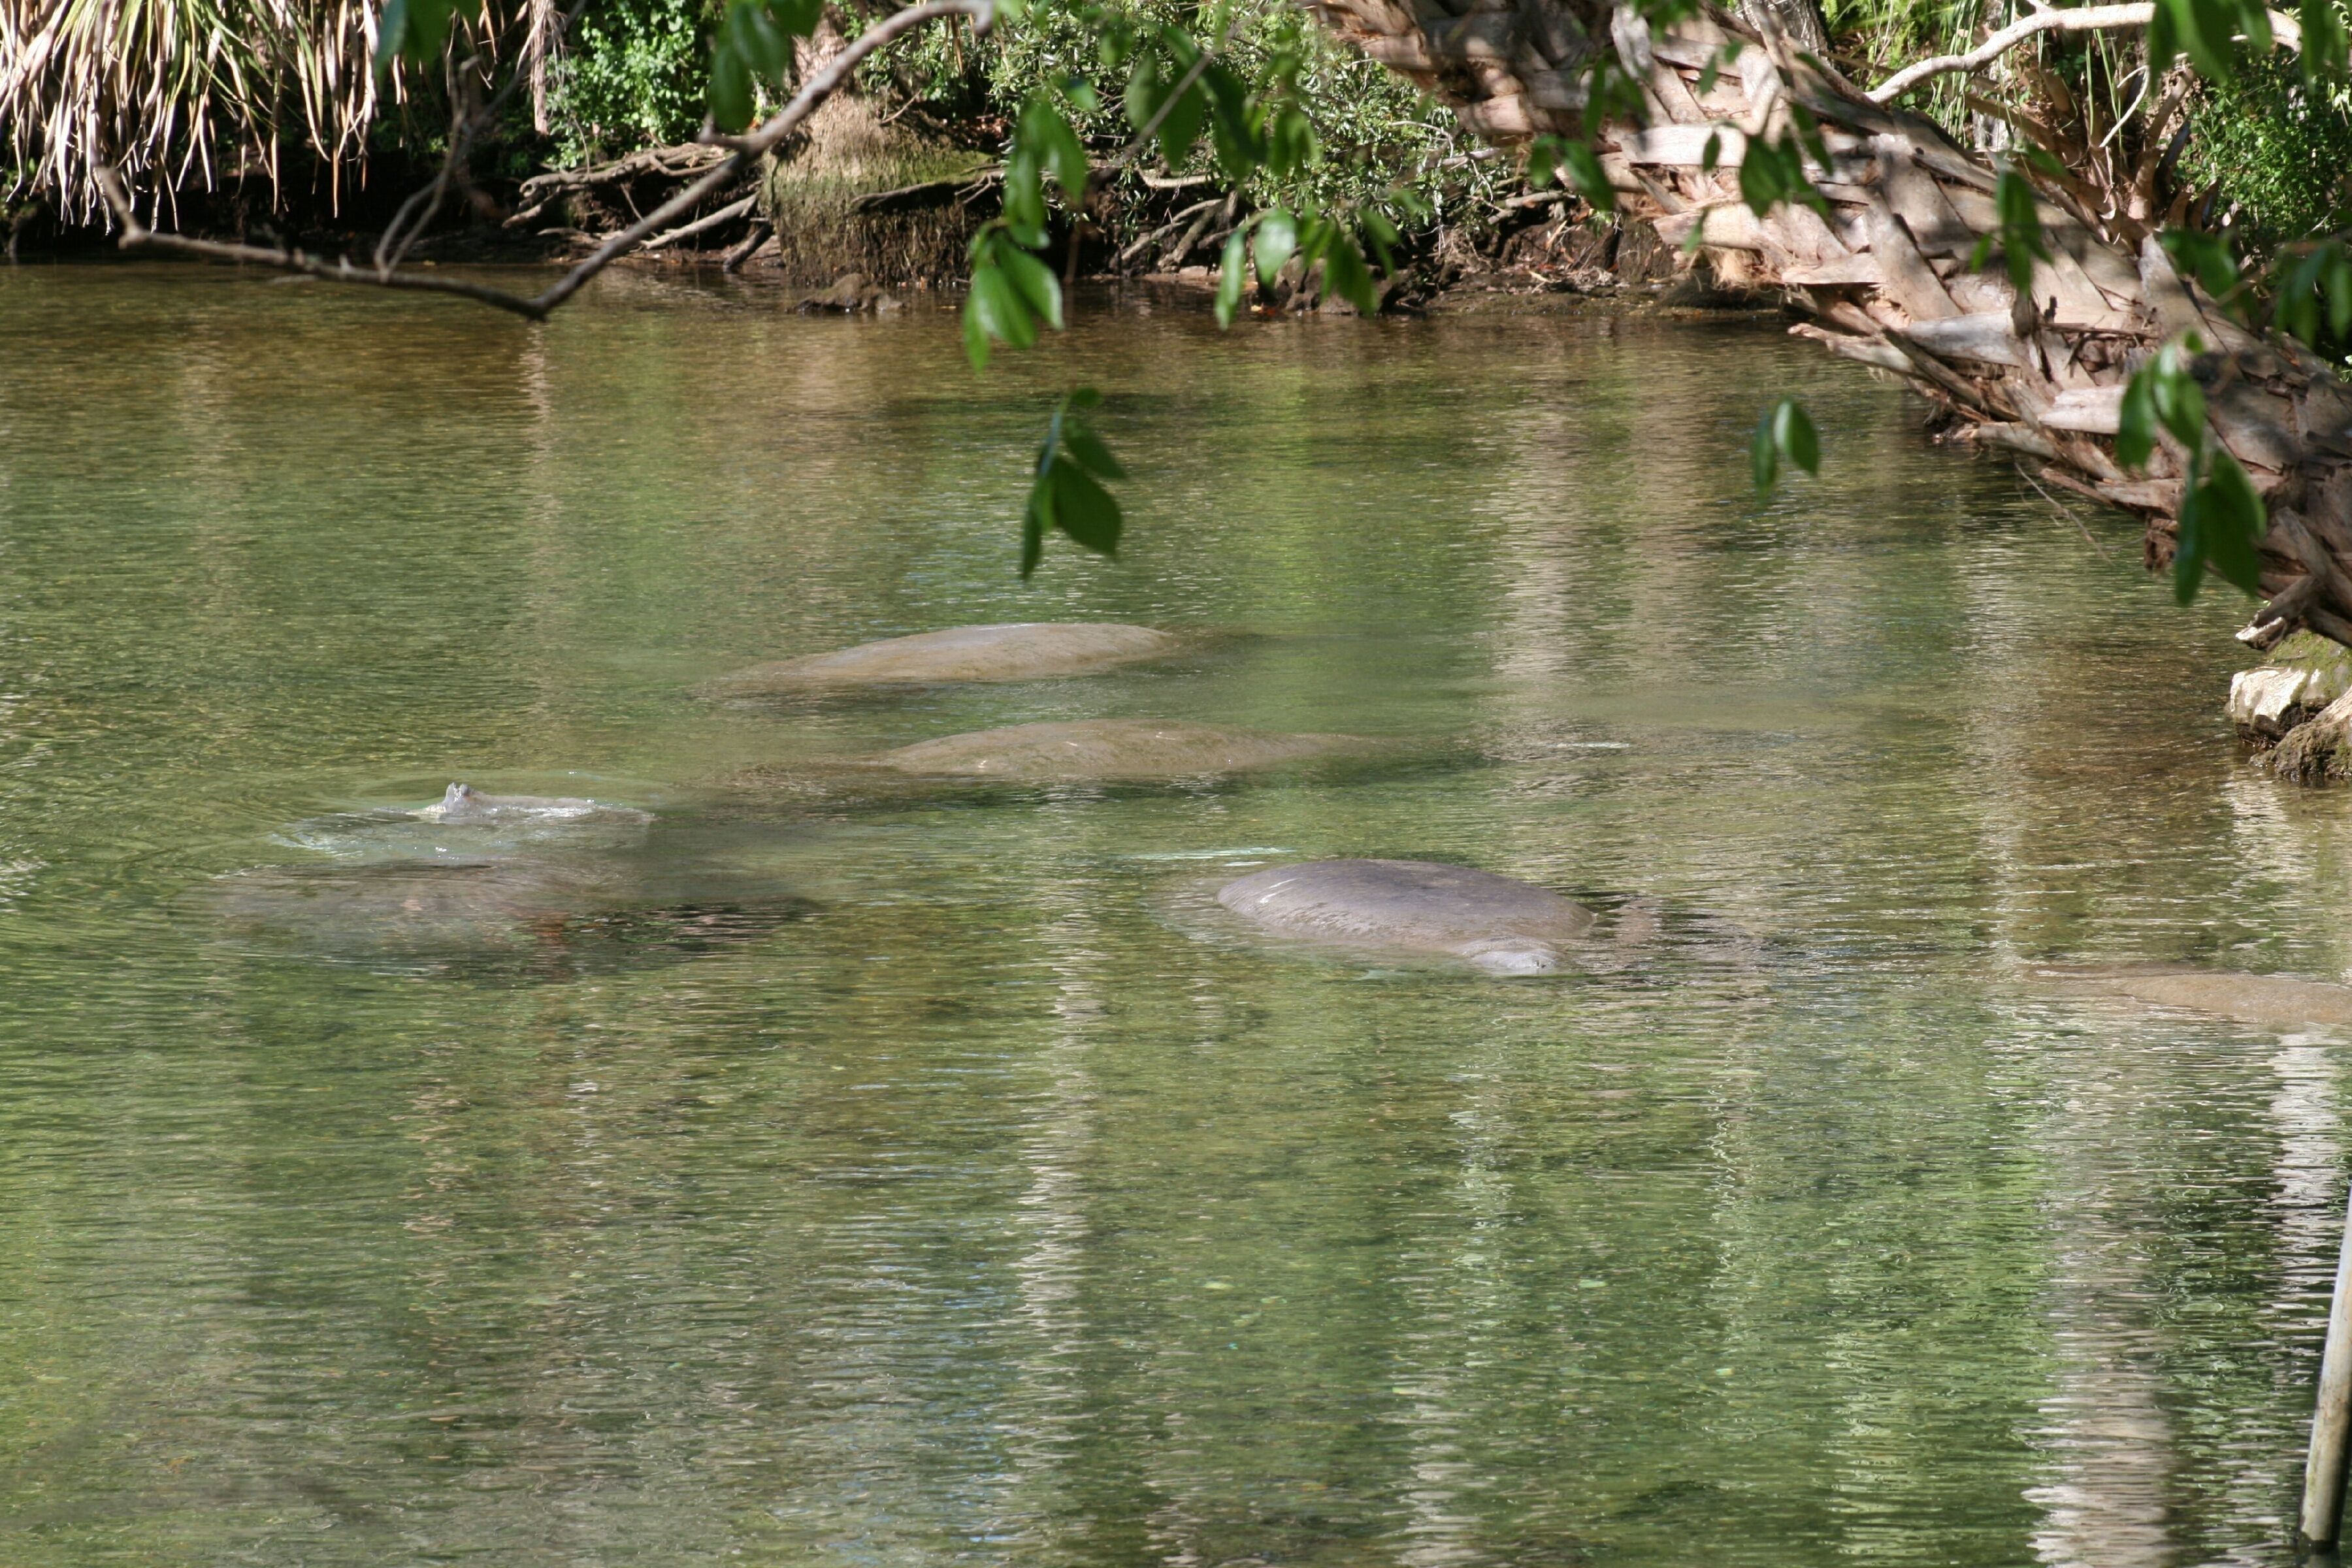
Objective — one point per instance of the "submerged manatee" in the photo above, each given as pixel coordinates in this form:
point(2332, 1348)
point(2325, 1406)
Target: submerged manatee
point(1109, 750)
point(408, 908)
point(2267, 1001)
point(1028, 650)
point(1502, 926)
point(543, 916)
point(465, 804)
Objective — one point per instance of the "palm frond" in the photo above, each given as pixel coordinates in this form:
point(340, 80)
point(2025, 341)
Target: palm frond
point(181, 92)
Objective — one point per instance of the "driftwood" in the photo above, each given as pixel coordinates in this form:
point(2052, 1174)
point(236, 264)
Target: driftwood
point(1885, 279)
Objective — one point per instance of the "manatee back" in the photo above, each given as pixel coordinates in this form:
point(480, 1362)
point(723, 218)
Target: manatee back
point(1502, 925)
point(1109, 749)
point(1023, 651)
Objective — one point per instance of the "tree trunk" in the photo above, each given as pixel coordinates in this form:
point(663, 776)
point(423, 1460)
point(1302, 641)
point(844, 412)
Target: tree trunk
point(1885, 279)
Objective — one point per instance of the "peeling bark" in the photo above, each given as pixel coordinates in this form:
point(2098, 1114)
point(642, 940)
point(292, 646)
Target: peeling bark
point(1885, 279)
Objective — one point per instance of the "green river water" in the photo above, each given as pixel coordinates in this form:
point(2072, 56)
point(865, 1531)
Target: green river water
point(950, 1182)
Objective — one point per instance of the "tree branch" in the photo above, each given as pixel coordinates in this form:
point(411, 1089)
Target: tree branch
point(747, 149)
point(2077, 19)
point(137, 236)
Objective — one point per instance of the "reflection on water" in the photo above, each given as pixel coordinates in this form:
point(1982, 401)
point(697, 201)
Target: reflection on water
point(932, 1174)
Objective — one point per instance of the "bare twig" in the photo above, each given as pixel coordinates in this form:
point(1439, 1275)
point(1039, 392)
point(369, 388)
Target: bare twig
point(2077, 19)
point(732, 211)
point(747, 149)
point(137, 236)
point(761, 232)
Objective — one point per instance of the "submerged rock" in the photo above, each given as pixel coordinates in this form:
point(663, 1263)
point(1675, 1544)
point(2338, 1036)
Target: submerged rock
point(1110, 749)
point(1029, 650)
point(1500, 925)
point(2270, 1001)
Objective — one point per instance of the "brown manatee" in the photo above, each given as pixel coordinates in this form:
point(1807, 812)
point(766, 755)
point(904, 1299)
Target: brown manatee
point(1109, 750)
point(1500, 925)
point(1026, 650)
point(2266, 1001)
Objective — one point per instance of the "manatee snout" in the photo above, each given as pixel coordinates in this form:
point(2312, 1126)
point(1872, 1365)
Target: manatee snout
point(1498, 925)
point(1513, 958)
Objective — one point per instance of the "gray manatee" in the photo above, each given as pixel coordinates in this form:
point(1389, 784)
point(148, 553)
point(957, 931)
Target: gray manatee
point(1026, 650)
point(1501, 926)
point(465, 804)
point(2267, 1001)
point(410, 908)
point(546, 915)
point(1109, 750)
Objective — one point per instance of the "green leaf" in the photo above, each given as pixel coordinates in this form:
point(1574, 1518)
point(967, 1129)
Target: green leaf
point(1047, 137)
point(1276, 237)
point(730, 89)
point(1088, 448)
point(2325, 43)
point(1543, 161)
point(1182, 127)
point(1344, 274)
point(795, 18)
point(2234, 522)
point(1231, 276)
point(1793, 433)
point(1291, 144)
point(2164, 39)
point(1785, 434)
point(1145, 88)
point(391, 35)
point(2206, 258)
point(1025, 195)
point(1084, 510)
point(2135, 432)
point(2178, 401)
point(1584, 171)
point(2022, 239)
point(994, 310)
point(1035, 282)
point(1036, 522)
point(1083, 398)
point(754, 36)
point(2189, 545)
point(1712, 154)
point(2339, 293)
point(2208, 29)
point(1081, 94)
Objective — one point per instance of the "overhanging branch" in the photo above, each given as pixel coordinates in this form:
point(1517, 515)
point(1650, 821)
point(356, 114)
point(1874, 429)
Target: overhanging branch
point(2075, 19)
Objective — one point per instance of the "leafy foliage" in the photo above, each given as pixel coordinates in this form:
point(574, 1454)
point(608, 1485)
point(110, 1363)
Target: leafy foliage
point(635, 75)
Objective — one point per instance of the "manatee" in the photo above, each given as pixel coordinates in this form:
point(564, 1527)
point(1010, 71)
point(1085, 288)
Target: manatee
point(1501, 926)
point(1027, 651)
point(465, 804)
point(1111, 750)
point(409, 907)
point(546, 914)
point(2267, 1001)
